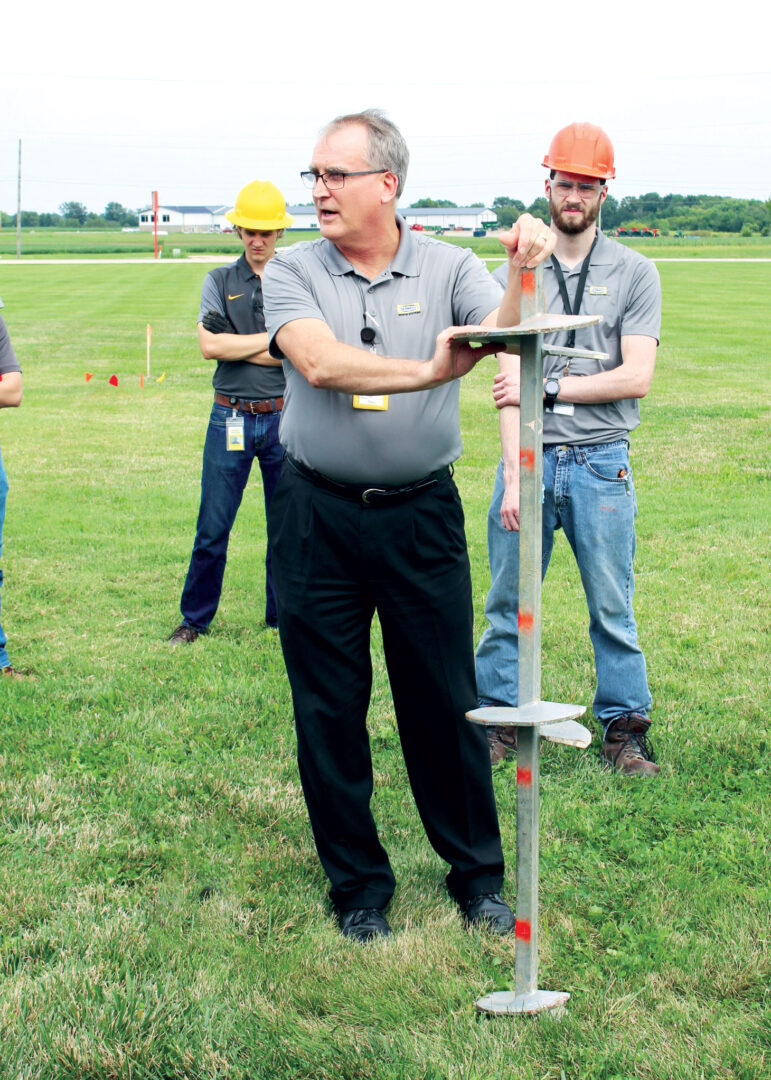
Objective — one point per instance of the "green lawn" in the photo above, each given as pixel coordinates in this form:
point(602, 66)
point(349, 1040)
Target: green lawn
point(100, 243)
point(162, 912)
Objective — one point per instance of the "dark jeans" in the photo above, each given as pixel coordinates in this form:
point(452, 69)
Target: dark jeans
point(589, 494)
point(337, 562)
point(224, 477)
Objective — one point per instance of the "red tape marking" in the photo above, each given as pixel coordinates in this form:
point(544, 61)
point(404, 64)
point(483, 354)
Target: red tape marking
point(522, 929)
point(528, 281)
point(525, 621)
point(527, 458)
point(524, 776)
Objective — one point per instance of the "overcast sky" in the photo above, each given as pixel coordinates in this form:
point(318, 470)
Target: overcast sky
point(112, 101)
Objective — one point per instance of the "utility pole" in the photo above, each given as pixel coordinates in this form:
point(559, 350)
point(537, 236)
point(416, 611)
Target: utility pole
point(18, 208)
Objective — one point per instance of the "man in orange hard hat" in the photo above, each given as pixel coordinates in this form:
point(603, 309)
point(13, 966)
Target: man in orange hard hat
point(248, 398)
point(590, 408)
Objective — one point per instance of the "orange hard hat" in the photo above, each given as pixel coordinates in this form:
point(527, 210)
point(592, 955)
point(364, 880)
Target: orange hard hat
point(581, 148)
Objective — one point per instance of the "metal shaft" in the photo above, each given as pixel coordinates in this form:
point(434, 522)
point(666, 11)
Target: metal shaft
point(529, 630)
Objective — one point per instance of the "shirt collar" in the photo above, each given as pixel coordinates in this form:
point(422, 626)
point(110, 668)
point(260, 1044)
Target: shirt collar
point(244, 270)
point(602, 255)
point(404, 262)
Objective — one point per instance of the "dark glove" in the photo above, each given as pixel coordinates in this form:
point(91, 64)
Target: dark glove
point(217, 324)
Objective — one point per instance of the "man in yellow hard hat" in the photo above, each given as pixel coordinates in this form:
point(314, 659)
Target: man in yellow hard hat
point(248, 398)
point(590, 407)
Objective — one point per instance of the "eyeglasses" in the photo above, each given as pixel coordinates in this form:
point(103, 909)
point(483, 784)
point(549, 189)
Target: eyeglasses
point(585, 191)
point(334, 180)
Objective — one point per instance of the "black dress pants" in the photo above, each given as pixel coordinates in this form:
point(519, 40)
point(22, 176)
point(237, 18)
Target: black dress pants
point(335, 563)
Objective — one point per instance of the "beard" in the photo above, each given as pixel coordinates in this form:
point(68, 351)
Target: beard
point(571, 224)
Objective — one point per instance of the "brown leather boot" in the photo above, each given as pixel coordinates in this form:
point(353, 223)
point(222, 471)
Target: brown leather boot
point(502, 741)
point(626, 747)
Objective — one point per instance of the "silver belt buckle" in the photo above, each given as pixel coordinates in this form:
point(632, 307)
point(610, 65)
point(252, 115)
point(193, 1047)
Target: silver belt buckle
point(365, 495)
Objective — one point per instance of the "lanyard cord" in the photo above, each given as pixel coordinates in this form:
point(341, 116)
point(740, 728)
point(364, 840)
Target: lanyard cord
point(573, 310)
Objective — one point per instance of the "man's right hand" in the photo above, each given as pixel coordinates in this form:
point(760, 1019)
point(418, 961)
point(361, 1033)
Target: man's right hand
point(217, 324)
point(510, 507)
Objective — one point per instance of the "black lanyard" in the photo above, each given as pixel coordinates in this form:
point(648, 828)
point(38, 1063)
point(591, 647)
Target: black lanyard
point(573, 310)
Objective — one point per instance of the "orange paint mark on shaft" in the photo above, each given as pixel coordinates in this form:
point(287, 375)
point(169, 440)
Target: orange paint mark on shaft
point(527, 457)
point(524, 776)
point(528, 282)
point(525, 621)
point(522, 929)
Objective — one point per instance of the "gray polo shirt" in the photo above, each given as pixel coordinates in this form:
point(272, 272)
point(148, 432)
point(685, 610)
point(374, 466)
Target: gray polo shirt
point(429, 286)
point(622, 286)
point(8, 361)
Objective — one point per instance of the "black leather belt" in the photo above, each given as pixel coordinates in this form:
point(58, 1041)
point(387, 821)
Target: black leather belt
point(370, 496)
point(273, 404)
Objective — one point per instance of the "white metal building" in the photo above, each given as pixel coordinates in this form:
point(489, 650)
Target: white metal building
point(448, 217)
point(207, 219)
point(186, 219)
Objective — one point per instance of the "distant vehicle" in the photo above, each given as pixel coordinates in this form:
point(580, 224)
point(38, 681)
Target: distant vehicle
point(634, 231)
point(480, 232)
point(227, 230)
point(416, 227)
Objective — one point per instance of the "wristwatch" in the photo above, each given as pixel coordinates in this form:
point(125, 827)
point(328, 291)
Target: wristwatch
point(550, 390)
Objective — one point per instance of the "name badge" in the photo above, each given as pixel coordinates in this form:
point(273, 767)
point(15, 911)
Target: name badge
point(598, 290)
point(408, 309)
point(234, 433)
point(565, 408)
point(378, 402)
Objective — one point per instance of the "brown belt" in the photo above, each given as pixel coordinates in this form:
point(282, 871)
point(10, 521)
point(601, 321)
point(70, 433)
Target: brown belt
point(274, 404)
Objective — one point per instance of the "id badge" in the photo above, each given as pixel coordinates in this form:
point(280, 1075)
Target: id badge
point(379, 402)
point(234, 432)
point(564, 408)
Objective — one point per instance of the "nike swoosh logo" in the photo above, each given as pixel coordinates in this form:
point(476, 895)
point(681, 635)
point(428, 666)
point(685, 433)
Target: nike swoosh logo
point(236, 296)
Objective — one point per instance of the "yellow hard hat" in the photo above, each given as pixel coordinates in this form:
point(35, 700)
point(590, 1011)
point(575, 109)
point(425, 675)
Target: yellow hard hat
point(260, 205)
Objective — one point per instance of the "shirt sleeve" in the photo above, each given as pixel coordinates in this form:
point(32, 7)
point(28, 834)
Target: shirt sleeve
point(476, 292)
point(8, 361)
point(287, 295)
point(211, 297)
point(642, 314)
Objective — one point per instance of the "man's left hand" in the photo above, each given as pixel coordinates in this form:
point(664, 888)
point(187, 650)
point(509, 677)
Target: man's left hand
point(217, 324)
point(528, 242)
point(453, 359)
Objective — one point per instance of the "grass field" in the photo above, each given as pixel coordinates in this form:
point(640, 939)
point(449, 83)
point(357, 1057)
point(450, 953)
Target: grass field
point(69, 243)
point(162, 912)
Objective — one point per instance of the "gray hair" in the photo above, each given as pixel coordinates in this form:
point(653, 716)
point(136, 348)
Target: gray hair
point(386, 148)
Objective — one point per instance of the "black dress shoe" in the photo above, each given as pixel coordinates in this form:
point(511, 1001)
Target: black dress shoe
point(489, 912)
point(183, 635)
point(363, 924)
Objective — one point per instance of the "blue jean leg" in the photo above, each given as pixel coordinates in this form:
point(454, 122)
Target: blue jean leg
point(597, 507)
point(498, 650)
point(584, 495)
point(4, 660)
point(223, 479)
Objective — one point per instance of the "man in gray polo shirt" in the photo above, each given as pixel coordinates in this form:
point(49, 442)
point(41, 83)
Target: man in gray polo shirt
point(366, 518)
point(590, 407)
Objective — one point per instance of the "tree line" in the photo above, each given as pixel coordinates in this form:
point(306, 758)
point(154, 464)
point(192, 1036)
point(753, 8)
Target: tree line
point(667, 213)
point(74, 215)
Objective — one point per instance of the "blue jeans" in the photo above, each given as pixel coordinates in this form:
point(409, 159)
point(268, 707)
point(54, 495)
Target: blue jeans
point(596, 507)
point(4, 661)
point(224, 477)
